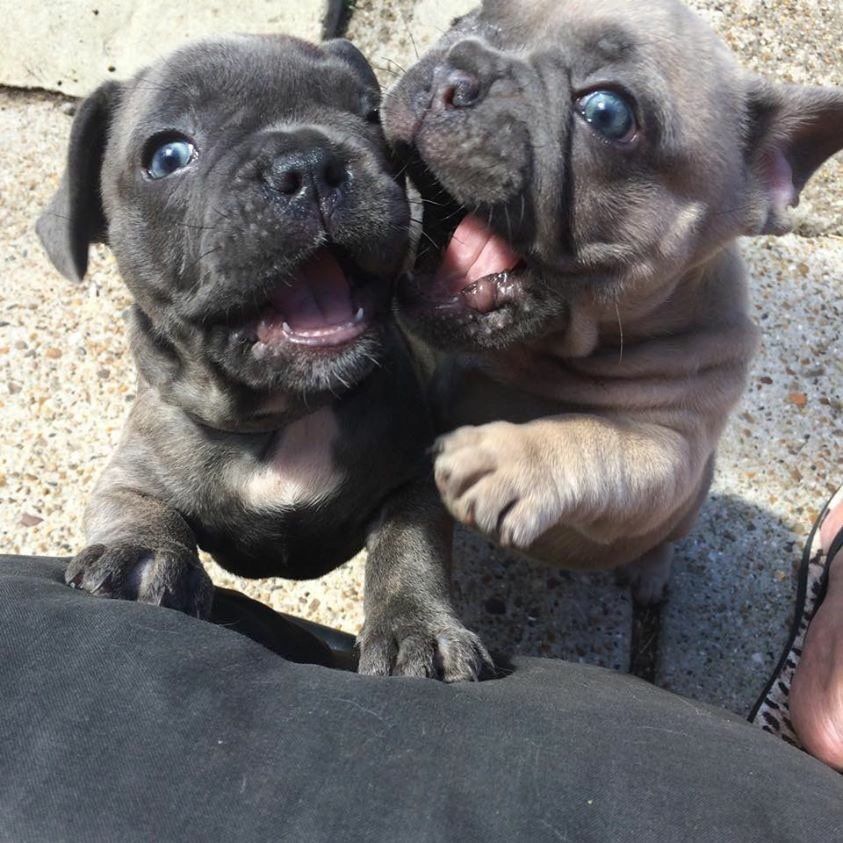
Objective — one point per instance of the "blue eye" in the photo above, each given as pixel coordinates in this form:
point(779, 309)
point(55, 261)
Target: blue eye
point(170, 157)
point(609, 114)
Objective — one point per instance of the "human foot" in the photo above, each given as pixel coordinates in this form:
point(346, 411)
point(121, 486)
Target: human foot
point(816, 697)
point(819, 695)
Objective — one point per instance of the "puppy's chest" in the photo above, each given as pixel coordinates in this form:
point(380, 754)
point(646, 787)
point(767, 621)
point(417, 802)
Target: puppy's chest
point(296, 469)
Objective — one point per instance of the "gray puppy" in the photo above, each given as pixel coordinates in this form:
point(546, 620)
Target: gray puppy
point(244, 188)
point(587, 168)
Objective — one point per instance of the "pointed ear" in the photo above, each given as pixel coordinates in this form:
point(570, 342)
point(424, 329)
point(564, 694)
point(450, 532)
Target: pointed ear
point(793, 130)
point(74, 218)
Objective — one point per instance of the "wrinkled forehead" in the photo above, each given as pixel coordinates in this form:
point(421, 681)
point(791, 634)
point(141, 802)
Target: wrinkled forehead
point(657, 36)
point(259, 79)
point(547, 21)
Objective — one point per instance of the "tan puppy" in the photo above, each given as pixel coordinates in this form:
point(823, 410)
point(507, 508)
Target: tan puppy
point(587, 168)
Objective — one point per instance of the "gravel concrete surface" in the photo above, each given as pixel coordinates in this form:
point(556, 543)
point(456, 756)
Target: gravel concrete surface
point(71, 45)
point(66, 382)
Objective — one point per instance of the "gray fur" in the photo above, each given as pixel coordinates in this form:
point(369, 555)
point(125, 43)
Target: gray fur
point(287, 462)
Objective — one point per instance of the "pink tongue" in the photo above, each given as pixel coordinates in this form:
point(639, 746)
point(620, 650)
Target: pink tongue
point(319, 296)
point(473, 253)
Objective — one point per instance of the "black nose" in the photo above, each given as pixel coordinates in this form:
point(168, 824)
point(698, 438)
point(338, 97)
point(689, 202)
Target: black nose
point(317, 173)
point(457, 89)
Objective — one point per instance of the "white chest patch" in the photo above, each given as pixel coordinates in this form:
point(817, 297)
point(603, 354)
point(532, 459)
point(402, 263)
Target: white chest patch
point(298, 468)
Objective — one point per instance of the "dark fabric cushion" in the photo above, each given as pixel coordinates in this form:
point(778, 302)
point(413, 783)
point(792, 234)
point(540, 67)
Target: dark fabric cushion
point(129, 722)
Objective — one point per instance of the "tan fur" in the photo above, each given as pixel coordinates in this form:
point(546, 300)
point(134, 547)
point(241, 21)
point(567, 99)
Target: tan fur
point(587, 386)
point(615, 432)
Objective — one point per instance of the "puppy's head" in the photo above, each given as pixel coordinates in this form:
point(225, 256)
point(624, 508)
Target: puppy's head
point(244, 188)
point(599, 147)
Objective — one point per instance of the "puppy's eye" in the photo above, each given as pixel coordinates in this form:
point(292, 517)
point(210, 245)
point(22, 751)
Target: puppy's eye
point(609, 114)
point(169, 157)
point(373, 115)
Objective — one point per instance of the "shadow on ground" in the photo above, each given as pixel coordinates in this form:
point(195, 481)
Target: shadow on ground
point(723, 626)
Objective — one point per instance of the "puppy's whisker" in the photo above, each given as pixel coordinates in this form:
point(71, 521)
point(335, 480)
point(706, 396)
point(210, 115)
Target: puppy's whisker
point(401, 172)
point(197, 227)
point(56, 215)
point(383, 69)
point(409, 33)
point(426, 202)
point(508, 222)
point(392, 61)
point(201, 257)
point(456, 213)
point(218, 211)
point(374, 360)
point(428, 237)
point(620, 329)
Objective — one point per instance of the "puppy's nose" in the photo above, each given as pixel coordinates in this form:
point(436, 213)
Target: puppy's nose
point(457, 89)
point(317, 171)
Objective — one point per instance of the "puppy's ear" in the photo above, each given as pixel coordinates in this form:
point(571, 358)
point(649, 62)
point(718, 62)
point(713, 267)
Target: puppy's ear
point(75, 218)
point(793, 130)
point(345, 50)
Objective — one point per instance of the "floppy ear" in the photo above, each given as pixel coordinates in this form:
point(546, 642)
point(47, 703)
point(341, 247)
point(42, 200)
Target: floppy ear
point(793, 130)
point(74, 218)
point(343, 48)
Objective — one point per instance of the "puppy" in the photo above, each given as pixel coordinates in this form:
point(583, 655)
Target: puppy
point(244, 188)
point(587, 168)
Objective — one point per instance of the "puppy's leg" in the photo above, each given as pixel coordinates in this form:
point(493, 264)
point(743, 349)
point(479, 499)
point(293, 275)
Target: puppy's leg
point(649, 575)
point(608, 479)
point(140, 550)
point(411, 628)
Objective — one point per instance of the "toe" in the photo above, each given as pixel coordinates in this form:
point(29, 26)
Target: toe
point(462, 656)
point(816, 698)
point(415, 657)
point(377, 654)
point(457, 472)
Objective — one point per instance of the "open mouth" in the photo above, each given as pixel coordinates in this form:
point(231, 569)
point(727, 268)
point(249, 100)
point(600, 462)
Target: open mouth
point(463, 263)
point(323, 305)
point(478, 268)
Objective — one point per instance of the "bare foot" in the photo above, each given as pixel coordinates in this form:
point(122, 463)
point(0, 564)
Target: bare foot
point(816, 698)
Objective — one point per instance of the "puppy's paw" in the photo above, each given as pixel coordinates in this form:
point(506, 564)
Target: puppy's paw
point(171, 577)
point(438, 647)
point(495, 479)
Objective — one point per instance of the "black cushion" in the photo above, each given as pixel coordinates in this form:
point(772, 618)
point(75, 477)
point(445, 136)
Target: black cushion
point(129, 722)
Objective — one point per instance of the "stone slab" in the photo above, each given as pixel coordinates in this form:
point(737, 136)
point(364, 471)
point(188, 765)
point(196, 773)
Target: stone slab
point(72, 45)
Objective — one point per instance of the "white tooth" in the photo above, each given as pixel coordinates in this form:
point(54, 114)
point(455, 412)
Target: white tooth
point(358, 317)
point(286, 327)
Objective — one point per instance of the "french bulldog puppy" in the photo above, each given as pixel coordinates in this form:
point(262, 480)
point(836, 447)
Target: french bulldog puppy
point(244, 188)
point(586, 169)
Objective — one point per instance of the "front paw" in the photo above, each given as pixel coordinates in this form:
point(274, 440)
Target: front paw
point(171, 577)
point(434, 646)
point(494, 478)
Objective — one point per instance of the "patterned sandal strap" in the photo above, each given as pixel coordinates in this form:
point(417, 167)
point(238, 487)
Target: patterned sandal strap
point(772, 712)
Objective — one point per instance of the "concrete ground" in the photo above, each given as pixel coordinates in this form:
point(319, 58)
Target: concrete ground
point(66, 382)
